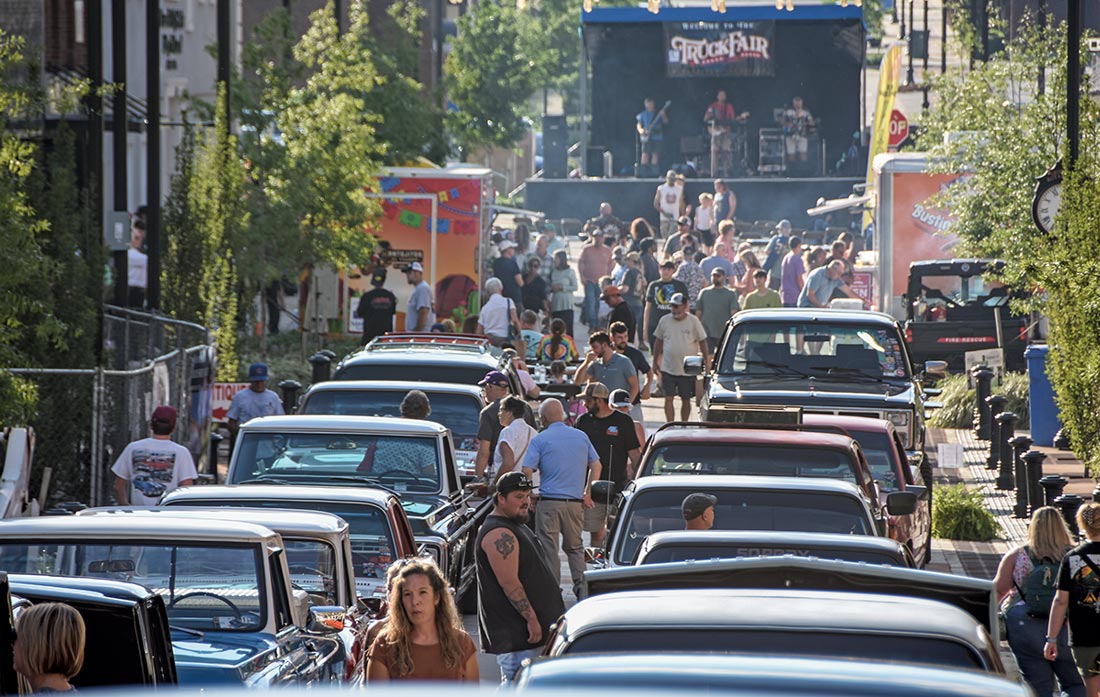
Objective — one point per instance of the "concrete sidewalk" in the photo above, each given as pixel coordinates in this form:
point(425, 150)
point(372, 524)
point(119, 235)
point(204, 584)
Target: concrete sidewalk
point(980, 559)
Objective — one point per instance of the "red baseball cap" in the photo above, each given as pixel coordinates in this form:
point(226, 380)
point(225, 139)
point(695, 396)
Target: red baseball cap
point(164, 414)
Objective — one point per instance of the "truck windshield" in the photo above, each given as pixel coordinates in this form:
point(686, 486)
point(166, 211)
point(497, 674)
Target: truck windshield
point(204, 586)
point(764, 460)
point(405, 463)
point(658, 510)
point(673, 553)
point(458, 412)
point(822, 350)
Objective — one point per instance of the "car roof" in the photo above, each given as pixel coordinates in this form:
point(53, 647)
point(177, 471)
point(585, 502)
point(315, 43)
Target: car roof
point(329, 423)
point(791, 314)
point(421, 352)
point(394, 386)
point(285, 521)
point(32, 585)
point(848, 423)
point(778, 609)
point(174, 528)
point(712, 482)
point(771, 537)
point(956, 265)
point(272, 492)
point(752, 436)
point(756, 674)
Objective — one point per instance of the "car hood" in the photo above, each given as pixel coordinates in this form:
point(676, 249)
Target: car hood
point(221, 657)
point(805, 391)
point(974, 596)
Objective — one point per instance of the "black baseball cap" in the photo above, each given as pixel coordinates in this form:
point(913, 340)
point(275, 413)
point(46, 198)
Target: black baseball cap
point(514, 481)
point(695, 505)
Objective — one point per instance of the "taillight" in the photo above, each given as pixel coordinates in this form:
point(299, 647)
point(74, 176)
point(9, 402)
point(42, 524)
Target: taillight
point(908, 335)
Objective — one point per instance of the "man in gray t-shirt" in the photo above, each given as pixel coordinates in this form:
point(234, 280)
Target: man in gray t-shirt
point(254, 402)
point(419, 316)
point(821, 283)
point(604, 364)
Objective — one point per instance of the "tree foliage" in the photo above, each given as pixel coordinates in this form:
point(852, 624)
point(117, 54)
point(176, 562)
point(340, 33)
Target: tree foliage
point(489, 77)
point(1006, 135)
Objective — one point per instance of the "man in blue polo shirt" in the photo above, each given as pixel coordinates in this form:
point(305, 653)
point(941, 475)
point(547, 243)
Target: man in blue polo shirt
point(567, 464)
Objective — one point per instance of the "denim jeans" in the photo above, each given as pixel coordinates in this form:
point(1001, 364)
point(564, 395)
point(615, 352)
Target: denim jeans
point(510, 663)
point(1026, 636)
point(590, 311)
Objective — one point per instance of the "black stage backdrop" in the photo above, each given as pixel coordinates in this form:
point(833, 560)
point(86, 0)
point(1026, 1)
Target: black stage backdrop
point(817, 60)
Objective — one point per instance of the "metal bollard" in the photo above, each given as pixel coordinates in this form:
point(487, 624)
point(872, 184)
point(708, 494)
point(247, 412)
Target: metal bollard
point(1061, 440)
point(215, 441)
point(1053, 486)
point(1019, 444)
point(1068, 504)
point(1033, 465)
point(983, 387)
point(329, 353)
point(996, 406)
point(1006, 478)
point(1096, 494)
point(322, 367)
point(290, 390)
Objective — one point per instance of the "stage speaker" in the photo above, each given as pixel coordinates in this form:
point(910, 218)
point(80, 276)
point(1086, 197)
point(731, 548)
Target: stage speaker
point(594, 161)
point(555, 146)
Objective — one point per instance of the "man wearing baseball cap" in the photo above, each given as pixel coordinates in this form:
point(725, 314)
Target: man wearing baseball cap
point(678, 335)
point(506, 268)
point(519, 595)
point(698, 510)
point(612, 434)
point(620, 310)
point(377, 307)
point(657, 296)
point(254, 402)
point(151, 467)
point(419, 316)
point(494, 387)
point(620, 401)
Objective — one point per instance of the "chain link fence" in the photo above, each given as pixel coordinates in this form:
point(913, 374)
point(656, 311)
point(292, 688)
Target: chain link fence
point(148, 360)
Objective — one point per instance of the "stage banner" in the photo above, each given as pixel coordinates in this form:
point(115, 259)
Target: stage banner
point(720, 49)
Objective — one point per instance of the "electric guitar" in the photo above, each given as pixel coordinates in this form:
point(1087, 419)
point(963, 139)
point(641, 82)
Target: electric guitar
point(655, 125)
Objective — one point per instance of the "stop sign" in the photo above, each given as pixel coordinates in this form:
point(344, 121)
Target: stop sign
point(899, 128)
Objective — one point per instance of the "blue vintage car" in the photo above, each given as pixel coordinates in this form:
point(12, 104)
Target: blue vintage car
point(234, 615)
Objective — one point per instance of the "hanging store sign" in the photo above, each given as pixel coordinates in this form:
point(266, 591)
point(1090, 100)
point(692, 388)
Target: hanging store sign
point(720, 49)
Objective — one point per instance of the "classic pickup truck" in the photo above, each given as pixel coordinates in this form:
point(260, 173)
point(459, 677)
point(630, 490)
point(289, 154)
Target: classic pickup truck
point(410, 458)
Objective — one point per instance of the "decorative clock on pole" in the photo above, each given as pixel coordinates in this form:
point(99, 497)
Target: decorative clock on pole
point(1048, 198)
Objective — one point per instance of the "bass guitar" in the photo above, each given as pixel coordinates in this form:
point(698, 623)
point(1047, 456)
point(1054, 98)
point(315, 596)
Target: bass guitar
point(655, 125)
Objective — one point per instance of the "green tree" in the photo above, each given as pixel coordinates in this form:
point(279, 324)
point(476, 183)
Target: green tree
point(24, 307)
point(182, 260)
point(992, 124)
point(489, 77)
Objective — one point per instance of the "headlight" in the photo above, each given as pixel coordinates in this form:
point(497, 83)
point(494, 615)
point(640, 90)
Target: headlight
point(901, 421)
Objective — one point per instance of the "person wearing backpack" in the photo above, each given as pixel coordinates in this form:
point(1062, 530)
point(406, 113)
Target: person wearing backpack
point(1026, 582)
point(1079, 598)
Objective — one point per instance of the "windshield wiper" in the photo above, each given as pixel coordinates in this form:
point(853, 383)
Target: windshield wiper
point(187, 630)
point(847, 372)
point(264, 480)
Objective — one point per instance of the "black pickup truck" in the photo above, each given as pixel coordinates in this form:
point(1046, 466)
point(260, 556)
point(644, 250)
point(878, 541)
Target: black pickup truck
point(846, 362)
point(950, 309)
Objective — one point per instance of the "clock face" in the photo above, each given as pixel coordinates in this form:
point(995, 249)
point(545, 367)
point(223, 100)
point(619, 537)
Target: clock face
point(1047, 205)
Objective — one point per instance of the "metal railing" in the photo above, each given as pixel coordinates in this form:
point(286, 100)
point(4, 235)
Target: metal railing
point(148, 360)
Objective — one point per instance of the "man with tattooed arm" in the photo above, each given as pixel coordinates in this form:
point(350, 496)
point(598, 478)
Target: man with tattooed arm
point(519, 596)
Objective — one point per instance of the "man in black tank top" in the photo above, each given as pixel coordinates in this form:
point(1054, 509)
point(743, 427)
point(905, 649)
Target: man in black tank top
point(519, 596)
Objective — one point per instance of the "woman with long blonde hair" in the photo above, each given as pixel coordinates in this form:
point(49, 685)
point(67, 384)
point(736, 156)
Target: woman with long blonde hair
point(746, 284)
point(423, 637)
point(1048, 540)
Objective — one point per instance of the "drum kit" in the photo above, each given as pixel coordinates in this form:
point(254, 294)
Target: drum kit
point(728, 146)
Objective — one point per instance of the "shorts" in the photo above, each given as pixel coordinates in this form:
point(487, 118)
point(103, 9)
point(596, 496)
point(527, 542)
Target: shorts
point(797, 144)
point(595, 517)
point(706, 236)
point(678, 385)
point(651, 147)
point(1087, 659)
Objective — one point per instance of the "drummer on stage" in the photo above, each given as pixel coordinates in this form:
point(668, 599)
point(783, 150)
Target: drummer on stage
point(720, 117)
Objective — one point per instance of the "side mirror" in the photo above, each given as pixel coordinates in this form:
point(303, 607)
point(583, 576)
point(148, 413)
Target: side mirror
point(936, 368)
point(693, 365)
point(901, 502)
point(603, 491)
point(326, 619)
point(916, 459)
point(371, 606)
point(921, 492)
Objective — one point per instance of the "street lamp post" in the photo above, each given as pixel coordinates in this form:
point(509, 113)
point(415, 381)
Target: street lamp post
point(909, 70)
point(1073, 80)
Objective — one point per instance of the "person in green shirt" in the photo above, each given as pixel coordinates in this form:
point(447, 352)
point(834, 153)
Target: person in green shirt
point(715, 305)
point(762, 296)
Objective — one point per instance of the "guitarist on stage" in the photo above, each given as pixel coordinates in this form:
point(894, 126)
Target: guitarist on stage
point(650, 125)
point(720, 117)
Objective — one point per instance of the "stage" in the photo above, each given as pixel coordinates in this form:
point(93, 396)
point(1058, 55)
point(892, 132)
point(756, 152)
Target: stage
point(760, 56)
point(758, 198)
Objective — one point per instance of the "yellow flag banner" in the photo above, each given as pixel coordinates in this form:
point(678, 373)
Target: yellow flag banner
point(888, 81)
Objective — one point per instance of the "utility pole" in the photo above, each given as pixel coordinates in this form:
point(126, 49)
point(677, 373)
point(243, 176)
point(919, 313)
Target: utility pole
point(152, 132)
point(120, 131)
point(1073, 81)
point(224, 59)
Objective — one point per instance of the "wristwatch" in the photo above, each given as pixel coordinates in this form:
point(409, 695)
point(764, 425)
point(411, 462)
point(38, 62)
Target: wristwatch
point(1051, 640)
